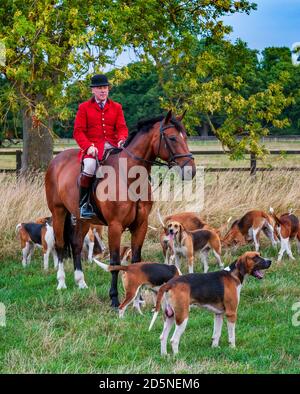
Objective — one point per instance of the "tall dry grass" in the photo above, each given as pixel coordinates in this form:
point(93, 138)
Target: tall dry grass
point(21, 200)
point(232, 194)
point(225, 195)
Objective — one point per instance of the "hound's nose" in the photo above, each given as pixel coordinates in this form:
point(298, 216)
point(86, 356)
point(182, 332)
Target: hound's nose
point(171, 231)
point(268, 263)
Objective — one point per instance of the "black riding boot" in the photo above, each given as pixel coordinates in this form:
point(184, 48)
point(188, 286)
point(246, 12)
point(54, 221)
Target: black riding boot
point(86, 209)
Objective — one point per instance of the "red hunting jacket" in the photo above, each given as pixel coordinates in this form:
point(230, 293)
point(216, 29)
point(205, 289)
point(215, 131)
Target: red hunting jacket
point(94, 126)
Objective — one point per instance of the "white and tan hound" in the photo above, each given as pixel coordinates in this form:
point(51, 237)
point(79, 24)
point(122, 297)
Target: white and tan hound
point(94, 237)
point(248, 229)
point(39, 233)
point(189, 220)
point(188, 244)
point(288, 228)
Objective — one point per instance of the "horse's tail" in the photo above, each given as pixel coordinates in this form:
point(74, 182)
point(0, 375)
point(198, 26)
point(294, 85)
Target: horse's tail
point(68, 233)
point(109, 268)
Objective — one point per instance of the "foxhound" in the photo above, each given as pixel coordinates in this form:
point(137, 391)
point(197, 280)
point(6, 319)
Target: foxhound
point(39, 233)
point(187, 244)
point(218, 292)
point(152, 275)
point(189, 220)
point(288, 228)
point(92, 238)
point(248, 228)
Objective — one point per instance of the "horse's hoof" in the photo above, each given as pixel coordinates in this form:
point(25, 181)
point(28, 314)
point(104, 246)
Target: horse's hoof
point(115, 303)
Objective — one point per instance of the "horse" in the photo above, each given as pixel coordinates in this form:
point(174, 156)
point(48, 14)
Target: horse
point(160, 137)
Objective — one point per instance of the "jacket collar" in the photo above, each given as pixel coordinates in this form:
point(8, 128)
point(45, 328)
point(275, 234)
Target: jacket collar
point(95, 104)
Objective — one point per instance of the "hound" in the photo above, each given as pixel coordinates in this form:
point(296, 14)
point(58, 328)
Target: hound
point(189, 243)
point(288, 228)
point(153, 275)
point(217, 291)
point(189, 220)
point(93, 236)
point(248, 228)
point(39, 233)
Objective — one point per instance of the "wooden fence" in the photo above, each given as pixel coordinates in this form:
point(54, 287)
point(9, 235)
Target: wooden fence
point(252, 169)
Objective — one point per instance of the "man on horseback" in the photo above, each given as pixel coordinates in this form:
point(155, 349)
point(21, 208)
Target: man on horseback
point(99, 125)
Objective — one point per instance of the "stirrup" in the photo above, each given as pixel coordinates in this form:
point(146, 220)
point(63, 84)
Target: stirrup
point(86, 211)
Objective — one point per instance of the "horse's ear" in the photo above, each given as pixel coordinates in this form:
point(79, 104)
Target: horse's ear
point(181, 116)
point(168, 117)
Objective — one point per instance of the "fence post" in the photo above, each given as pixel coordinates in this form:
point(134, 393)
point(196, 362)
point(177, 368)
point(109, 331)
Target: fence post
point(252, 164)
point(18, 161)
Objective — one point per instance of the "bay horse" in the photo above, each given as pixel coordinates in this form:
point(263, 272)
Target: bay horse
point(161, 137)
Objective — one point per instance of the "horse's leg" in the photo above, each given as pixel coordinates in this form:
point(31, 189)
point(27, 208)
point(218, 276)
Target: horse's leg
point(139, 230)
point(78, 234)
point(115, 230)
point(59, 216)
point(138, 234)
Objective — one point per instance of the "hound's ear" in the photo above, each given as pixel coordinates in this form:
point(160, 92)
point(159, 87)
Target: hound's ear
point(180, 233)
point(168, 117)
point(180, 117)
point(241, 265)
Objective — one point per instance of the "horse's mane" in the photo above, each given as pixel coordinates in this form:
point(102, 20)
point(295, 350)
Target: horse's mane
point(144, 125)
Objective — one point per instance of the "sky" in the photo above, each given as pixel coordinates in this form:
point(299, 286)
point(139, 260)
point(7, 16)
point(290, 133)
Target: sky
point(274, 23)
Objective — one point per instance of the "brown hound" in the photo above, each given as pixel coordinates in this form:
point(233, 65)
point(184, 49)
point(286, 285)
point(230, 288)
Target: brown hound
point(248, 228)
point(136, 275)
point(288, 228)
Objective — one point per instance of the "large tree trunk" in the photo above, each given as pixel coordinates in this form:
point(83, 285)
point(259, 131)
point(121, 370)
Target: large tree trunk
point(37, 144)
point(204, 129)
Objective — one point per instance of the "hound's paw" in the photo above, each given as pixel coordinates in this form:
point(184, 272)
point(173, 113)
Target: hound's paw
point(61, 285)
point(82, 285)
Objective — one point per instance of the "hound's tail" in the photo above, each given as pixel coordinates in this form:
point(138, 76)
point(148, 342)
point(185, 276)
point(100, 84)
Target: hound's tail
point(276, 218)
point(161, 220)
point(18, 227)
point(164, 288)
point(109, 268)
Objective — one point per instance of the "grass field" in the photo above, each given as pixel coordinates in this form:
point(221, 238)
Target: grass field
point(75, 331)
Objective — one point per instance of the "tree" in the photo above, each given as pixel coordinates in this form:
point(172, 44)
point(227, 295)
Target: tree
point(276, 65)
point(46, 45)
point(139, 94)
point(51, 43)
point(221, 80)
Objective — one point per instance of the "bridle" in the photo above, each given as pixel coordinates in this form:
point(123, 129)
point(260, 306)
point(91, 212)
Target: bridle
point(172, 157)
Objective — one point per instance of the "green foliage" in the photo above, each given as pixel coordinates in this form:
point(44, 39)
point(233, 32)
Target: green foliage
point(52, 49)
point(220, 79)
point(276, 65)
point(50, 45)
point(139, 94)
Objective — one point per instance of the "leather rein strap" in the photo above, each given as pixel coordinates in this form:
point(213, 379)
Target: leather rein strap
point(172, 159)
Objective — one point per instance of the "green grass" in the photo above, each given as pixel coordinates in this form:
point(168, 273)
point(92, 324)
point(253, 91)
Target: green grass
point(50, 331)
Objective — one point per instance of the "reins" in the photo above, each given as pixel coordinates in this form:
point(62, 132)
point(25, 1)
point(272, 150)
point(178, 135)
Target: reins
point(172, 159)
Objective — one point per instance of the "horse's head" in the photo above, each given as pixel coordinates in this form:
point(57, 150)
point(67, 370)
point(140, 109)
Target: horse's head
point(170, 144)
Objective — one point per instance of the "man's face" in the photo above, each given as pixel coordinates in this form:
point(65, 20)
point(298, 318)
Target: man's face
point(100, 92)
